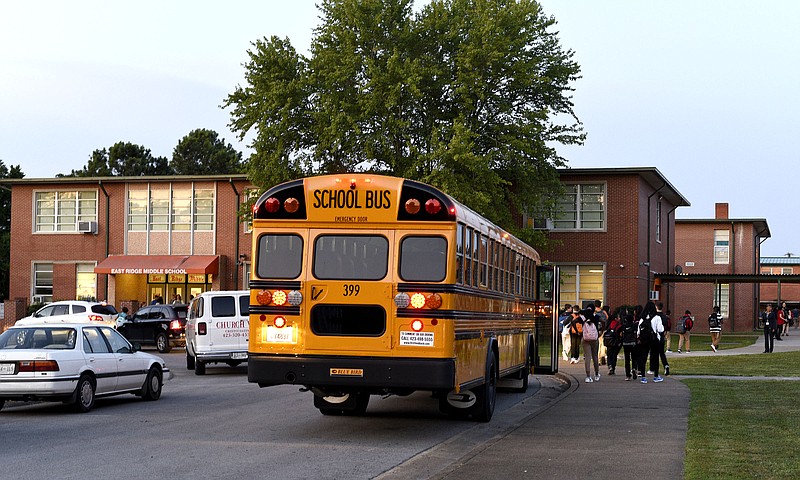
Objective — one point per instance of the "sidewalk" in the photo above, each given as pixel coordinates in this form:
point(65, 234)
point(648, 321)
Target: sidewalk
point(608, 429)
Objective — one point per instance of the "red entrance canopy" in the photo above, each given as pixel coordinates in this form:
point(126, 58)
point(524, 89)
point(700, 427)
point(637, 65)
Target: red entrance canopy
point(144, 264)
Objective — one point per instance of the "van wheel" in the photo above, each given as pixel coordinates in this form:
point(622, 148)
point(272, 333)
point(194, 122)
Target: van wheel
point(84, 394)
point(189, 360)
point(487, 393)
point(199, 367)
point(162, 343)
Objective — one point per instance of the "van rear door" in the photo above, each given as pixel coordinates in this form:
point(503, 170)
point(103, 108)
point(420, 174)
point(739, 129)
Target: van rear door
point(228, 331)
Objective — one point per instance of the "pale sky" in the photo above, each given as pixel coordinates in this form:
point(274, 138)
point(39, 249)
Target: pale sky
point(706, 91)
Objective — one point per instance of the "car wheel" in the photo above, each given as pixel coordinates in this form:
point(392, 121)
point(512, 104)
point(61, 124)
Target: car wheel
point(2, 402)
point(152, 384)
point(162, 343)
point(199, 367)
point(84, 394)
point(189, 360)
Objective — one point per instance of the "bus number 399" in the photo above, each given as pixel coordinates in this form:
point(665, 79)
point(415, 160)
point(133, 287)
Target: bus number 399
point(351, 290)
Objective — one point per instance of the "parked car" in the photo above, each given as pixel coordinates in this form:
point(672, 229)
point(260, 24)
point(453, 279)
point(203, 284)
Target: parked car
point(161, 325)
point(217, 329)
point(68, 311)
point(75, 363)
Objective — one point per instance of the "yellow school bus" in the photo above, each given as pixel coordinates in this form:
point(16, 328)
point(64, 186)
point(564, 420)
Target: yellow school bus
point(373, 285)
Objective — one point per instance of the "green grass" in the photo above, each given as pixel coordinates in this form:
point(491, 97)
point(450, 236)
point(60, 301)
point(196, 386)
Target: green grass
point(702, 342)
point(742, 429)
point(781, 364)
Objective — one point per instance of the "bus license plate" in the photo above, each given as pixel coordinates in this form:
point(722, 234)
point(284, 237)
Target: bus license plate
point(280, 335)
point(7, 368)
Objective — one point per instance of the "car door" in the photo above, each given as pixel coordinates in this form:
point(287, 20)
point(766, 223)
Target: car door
point(100, 359)
point(134, 328)
point(130, 367)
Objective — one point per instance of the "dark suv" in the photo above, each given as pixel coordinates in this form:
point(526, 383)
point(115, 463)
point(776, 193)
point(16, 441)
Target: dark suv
point(161, 325)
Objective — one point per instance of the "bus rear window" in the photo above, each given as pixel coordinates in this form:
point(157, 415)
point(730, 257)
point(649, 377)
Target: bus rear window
point(355, 257)
point(423, 259)
point(279, 256)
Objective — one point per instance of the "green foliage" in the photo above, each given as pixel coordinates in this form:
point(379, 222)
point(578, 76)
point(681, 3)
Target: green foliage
point(5, 227)
point(123, 159)
point(471, 96)
point(202, 152)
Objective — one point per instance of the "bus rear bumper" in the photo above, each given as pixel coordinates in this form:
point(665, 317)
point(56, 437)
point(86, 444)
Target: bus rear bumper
point(352, 372)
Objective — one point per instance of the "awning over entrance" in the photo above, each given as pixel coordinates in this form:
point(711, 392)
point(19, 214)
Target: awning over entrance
point(145, 264)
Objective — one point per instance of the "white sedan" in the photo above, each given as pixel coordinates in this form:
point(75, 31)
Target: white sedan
point(74, 363)
point(69, 311)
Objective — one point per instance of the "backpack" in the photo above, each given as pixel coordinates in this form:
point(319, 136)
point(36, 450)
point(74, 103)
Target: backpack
point(713, 321)
point(611, 336)
point(576, 326)
point(688, 323)
point(667, 322)
point(681, 326)
point(645, 333)
point(628, 333)
point(590, 332)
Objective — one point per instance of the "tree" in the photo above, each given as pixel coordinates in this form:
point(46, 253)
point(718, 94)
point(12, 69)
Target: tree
point(471, 96)
point(201, 152)
point(5, 226)
point(123, 159)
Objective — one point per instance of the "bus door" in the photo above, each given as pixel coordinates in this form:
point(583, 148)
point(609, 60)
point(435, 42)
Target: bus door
point(546, 310)
point(349, 292)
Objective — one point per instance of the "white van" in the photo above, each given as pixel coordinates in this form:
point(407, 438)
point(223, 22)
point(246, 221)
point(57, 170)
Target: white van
point(217, 329)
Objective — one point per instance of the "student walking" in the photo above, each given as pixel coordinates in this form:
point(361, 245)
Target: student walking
point(787, 319)
point(613, 341)
point(575, 333)
point(715, 327)
point(652, 315)
point(563, 328)
point(684, 328)
point(590, 341)
point(629, 345)
point(770, 324)
point(664, 334)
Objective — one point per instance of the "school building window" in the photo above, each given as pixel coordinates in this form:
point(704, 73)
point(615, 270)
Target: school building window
point(722, 247)
point(724, 299)
point(61, 211)
point(581, 208)
point(86, 282)
point(171, 209)
point(42, 282)
point(658, 220)
point(581, 284)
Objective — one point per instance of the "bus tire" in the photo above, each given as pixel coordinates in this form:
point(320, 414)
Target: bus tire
point(487, 393)
point(353, 404)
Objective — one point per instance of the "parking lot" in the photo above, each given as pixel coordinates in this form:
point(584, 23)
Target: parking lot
point(220, 426)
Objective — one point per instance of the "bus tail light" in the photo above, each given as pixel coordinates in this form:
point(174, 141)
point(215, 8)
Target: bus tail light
point(279, 297)
point(38, 366)
point(402, 300)
point(291, 205)
point(264, 297)
point(433, 206)
point(417, 325)
point(201, 328)
point(412, 206)
point(433, 301)
point(417, 300)
point(295, 298)
point(272, 205)
point(279, 322)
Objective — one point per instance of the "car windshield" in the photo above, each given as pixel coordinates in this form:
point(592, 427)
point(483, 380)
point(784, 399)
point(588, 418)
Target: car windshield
point(51, 338)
